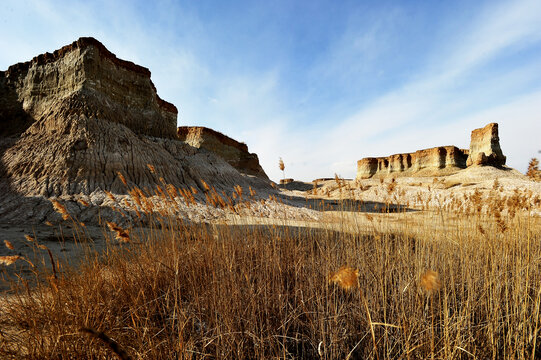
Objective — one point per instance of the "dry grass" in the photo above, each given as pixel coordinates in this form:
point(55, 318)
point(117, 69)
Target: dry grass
point(9, 259)
point(185, 290)
point(533, 170)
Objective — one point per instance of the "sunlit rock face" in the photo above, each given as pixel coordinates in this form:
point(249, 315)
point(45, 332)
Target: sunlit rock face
point(232, 151)
point(485, 147)
point(429, 159)
point(71, 120)
point(484, 151)
point(95, 83)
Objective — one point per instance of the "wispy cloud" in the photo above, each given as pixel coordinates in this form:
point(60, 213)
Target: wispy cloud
point(443, 100)
point(506, 26)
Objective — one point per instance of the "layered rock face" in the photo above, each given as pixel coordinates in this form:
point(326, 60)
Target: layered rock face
point(432, 159)
point(95, 82)
point(72, 120)
point(484, 150)
point(232, 151)
point(485, 147)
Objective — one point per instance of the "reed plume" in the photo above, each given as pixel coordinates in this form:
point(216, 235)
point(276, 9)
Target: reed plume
point(533, 171)
point(430, 281)
point(9, 259)
point(121, 234)
point(346, 277)
point(282, 167)
point(84, 203)
point(61, 209)
point(122, 178)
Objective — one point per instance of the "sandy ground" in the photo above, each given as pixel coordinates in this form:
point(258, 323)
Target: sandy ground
point(435, 193)
point(66, 245)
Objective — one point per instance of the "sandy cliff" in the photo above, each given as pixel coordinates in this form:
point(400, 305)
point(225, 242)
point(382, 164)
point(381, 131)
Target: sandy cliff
point(485, 147)
point(232, 151)
point(94, 82)
point(443, 160)
point(71, 120)
point(430, 159)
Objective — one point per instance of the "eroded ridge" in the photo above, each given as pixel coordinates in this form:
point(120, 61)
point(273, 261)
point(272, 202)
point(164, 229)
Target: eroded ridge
point(234, 152)
point(442, 160)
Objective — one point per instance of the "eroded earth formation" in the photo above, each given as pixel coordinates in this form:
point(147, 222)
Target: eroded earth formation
point(443, 160)
point(71, 121)
point(232, 151)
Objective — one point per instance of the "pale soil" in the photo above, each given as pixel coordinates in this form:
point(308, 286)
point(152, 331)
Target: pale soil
point(436, 192)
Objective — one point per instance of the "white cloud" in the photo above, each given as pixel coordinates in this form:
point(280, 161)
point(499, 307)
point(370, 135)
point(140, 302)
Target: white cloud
point(418, 115)
point(499, 28)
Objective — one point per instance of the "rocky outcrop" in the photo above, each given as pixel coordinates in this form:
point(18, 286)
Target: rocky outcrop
point(484, 150)
point(429, 159)
point(95, 81)
point(485, 147)
point(72, 120)
point(232, 151)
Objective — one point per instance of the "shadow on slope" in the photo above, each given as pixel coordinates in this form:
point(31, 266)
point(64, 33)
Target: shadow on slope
point(350, 205)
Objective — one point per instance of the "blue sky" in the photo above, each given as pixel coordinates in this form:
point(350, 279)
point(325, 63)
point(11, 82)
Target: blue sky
point(319, 83)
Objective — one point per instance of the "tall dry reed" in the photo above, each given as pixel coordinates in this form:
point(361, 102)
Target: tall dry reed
point(447, 287)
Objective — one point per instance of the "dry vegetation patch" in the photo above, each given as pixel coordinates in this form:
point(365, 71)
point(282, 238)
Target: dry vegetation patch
point(262, 291)
point(458, 281)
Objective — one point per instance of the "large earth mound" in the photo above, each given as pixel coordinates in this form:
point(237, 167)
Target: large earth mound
point(73, 120)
